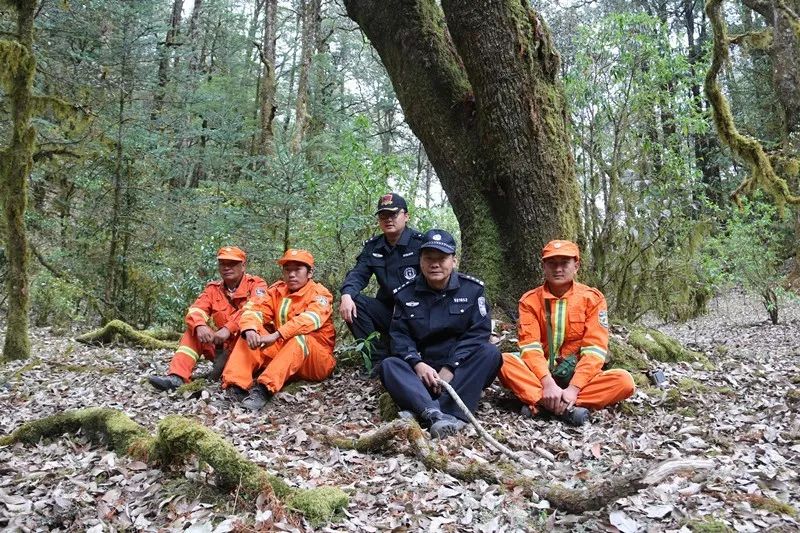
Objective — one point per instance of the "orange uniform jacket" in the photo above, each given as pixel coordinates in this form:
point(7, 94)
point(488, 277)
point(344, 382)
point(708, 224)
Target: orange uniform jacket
point(215, 304)
point(580, 326)
point(293, 314)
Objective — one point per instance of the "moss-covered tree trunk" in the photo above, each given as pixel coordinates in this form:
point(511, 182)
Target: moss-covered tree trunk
point(17, 67)
point(267, 88)
point(478, 83)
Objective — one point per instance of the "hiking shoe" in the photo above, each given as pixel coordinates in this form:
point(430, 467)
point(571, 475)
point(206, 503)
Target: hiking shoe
point(258, 398)
point(168, 382)
point(577, 416)
point(235, 393)
point(406, 415)
point(430, 416)
point(449, 425)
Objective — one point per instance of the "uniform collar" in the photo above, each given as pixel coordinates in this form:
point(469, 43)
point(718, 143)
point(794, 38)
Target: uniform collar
point(402, 241)
point(549, 296)
point(240, 292)
point(453, 284)
point(301, 292)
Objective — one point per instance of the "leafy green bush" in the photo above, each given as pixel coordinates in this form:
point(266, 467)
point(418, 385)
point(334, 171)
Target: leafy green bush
point(53, 301)
point(748, 251)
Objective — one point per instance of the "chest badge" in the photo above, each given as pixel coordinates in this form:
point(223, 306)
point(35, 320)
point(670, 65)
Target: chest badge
point(412, 304)
point(376, 254)
point(409, 273)
point(460, 300)
point(408, 254)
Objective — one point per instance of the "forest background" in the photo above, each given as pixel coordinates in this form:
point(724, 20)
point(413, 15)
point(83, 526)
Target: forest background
point(173, 128)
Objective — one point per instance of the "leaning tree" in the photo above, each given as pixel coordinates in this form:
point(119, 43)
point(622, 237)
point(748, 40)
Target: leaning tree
point(479, 84)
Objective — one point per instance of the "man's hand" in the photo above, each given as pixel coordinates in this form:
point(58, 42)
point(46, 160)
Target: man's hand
point(253, 338)
point(221, 336)
point(347, 308)
point(429, 377)
point(551, 395)
point(204, 334)
point(445, 374)
point(569, 397)
point(269, 340)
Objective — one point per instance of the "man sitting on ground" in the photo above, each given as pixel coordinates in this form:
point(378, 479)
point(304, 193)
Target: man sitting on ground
point(220, 304)
point(440, 330)
point(563, 342)
point(287, 332)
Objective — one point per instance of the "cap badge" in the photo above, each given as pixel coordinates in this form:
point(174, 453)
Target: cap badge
point(556, 245)
point(386, 199)
point(437, 237)
point(294, 252)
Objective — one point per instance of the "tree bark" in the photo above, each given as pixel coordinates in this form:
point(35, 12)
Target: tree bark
point(311, 14)
point(267, 87)
point(164, 57)
point(478, 84)
point(15, 167)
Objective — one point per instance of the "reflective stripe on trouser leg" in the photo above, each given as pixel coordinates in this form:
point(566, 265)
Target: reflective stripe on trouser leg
point(186, 356)
point(319, 362)
point(606, 388)
point(283, 359)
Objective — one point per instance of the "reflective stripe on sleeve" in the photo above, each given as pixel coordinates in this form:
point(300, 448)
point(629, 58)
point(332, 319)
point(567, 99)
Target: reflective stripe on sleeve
point(314, 318)
point(595, 351)
point(197, 310)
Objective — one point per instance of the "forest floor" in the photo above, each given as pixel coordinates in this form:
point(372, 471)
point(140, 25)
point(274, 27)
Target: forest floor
point(742, 415)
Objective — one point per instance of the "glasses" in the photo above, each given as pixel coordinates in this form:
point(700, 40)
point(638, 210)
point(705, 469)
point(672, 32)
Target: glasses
point(388, 215)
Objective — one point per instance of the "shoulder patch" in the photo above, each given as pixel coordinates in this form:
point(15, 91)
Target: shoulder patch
point(603, 319)
point(260, 291)
point(403, 286)
point(471, 278)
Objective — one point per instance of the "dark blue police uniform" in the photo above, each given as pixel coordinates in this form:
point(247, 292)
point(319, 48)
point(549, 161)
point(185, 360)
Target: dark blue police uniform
point(392, 266)
point(449, 327)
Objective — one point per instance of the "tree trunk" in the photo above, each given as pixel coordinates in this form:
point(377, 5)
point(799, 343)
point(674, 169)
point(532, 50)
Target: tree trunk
point(15, 168)
point(478, 84)
point(164, 57)
point(311, 15)
point(267, 87)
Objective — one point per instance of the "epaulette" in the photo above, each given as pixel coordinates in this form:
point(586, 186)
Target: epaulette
point(214, 282)
point(275, 284)
point(376, 237)
point(418, 235)
point(467, 276)
point(403, 286)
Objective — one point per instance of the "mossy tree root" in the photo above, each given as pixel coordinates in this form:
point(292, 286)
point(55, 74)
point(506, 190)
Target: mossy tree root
point(117, 329)
point(176, 438)
point(392, 436)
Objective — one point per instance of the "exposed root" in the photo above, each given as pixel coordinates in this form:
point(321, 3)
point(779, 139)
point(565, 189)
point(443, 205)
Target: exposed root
point(117, 329)
point(177, 438)
point(391, 437)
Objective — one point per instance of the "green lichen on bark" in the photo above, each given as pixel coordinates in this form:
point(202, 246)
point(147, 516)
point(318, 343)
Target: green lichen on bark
point(177, 438)
point(387, 408)
point(117, 330)
point(662, 347)
point(318, 505)
point(748, 149)
point(196, 385)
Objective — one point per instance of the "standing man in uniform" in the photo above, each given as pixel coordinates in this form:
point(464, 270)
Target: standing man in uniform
point(286, 332)
point(393, 257)
point(219, 304)
point(563, 342)
point(440, 330)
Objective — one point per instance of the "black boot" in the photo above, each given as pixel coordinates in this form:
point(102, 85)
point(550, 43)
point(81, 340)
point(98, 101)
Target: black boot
point(258, 398)
point(577, 416)
point(168, 382)
point(441, 424)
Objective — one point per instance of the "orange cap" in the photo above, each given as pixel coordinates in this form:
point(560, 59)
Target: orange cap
point(296, 254)
point(561, 249)
point(231, 253)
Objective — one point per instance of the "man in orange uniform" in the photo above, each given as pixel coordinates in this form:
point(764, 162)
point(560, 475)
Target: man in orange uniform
point(287, 332)
point(563, 342)
point(221, 301)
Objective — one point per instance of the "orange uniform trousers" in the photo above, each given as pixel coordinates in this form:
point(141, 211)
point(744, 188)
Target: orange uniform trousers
point(182, 364)
point(282, 361)
point(605, 388)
